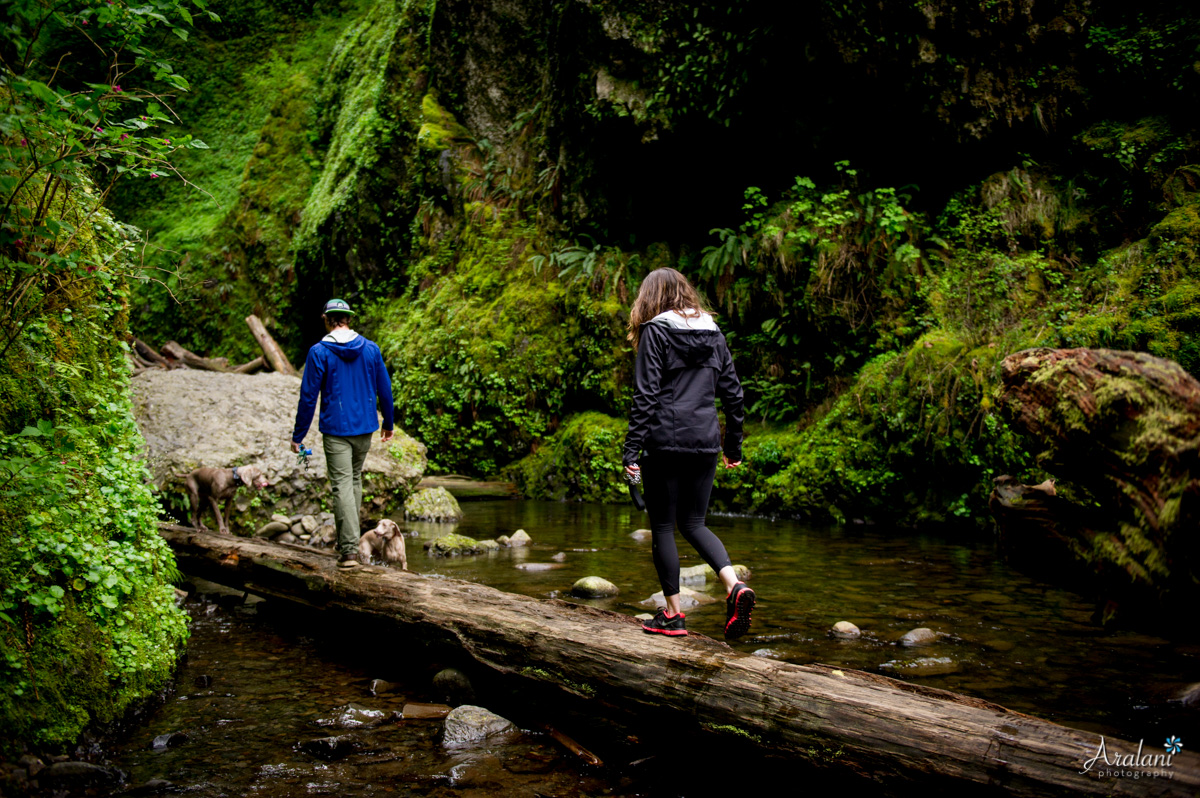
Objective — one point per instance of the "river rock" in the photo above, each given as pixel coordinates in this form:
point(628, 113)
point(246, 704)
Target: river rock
point(468, 724)
point(922, 666)
point(486, 545)
point(310, 524)
point(452, 545)
point(697, 574)
point(519, 538)
point(918, 637)
point(331, 748)
point(352, 716)
point(845, 630)
point(325, 536)
point(382, 687)
point(559, 557)
point(271, 529)
point(78, 776)
point(279, 518)
point(742, 572)
point(169, 740)
point(298, 530)
point(433, 504)
point(418, 711)
point(688, 598)
point(502, 541)
point(539, 566)
point(594, 587)
point(454, 686)
point(286, 537)
point(641, 535)
point(191, 418)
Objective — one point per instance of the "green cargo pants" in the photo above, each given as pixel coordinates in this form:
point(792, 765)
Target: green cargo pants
point(344, 458)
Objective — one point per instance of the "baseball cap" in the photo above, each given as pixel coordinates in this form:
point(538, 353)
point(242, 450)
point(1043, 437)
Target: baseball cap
point(337, 306)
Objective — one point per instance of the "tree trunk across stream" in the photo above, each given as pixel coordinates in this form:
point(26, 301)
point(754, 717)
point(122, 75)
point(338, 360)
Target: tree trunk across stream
point(868, 724)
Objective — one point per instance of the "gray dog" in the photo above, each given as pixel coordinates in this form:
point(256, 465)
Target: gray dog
point(214, 484)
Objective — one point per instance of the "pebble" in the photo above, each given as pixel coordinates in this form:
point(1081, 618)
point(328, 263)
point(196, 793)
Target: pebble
point(381, 687)
point(272, 528)
point(560, 557)
point(594, 587)
point(641, 535)
point(845, 630)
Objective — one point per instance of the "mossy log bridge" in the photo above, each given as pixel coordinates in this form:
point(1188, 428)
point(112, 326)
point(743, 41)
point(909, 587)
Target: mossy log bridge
point(872, 725)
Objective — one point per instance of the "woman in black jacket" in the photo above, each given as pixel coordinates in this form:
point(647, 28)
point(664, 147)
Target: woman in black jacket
point(683, 365)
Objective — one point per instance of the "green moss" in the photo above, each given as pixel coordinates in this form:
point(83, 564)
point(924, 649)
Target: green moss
point(581, 461)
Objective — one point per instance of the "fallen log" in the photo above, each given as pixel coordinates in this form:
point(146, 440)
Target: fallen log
point(253, 365)
point(467, 488)
point(271, 350)
point(146, 352)
point(867, 724)
point(173, 350)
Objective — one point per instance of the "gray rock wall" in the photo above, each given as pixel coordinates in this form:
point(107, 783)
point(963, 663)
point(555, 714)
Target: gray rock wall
point(202, 418)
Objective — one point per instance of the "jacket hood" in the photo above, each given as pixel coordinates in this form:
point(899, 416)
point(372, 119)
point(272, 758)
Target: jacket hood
point(690, 340)
point(348, 350)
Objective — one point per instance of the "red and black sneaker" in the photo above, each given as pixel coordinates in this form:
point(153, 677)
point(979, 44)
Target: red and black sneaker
point(663, 624)
point(739, 604)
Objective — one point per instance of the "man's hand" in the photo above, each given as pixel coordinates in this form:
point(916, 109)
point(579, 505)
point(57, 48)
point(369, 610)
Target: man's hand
point(725, 461)
point(385, 435)
point(295, 448)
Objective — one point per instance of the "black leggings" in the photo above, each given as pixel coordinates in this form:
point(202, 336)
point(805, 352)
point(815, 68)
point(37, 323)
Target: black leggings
point(677, 487)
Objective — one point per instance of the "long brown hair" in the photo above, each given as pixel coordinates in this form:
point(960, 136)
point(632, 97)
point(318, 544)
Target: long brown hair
point(663, 289)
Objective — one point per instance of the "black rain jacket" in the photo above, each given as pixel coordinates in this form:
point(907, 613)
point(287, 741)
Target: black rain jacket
point(677, 377)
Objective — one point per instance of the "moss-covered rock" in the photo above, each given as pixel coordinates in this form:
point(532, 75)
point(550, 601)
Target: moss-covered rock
point(452, 545)
point(433, 504)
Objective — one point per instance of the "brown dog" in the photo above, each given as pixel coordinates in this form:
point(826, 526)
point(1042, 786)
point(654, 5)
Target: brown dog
point(214, 484)
point(387, 540)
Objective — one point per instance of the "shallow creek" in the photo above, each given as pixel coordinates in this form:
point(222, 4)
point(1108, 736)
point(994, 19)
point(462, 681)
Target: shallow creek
point(276, 674)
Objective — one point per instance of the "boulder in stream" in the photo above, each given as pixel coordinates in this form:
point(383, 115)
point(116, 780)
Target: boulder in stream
point(433, 504)
point(918, 637)
point(845, 630)
point(191, 418)
point(452, 545)
point(519, 538)
point(594, 587)
point(453, 685)
point(468, 724)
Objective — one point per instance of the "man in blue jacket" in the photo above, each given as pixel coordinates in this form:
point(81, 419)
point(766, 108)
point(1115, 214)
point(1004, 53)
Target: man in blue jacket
point(348, 372)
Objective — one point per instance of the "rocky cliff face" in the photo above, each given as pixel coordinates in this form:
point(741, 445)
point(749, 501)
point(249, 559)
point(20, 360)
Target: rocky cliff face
point(200, 418)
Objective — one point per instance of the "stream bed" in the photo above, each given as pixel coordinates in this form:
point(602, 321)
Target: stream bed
point(262, 681)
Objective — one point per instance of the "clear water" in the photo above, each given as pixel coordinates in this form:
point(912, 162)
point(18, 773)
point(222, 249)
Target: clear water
point(275, 674)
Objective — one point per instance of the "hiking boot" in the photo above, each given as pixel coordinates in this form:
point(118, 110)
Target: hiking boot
point(663, 624)
point(347, 561)
point(738, 607)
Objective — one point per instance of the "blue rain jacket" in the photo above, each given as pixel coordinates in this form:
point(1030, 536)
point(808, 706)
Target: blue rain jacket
point(348, 377)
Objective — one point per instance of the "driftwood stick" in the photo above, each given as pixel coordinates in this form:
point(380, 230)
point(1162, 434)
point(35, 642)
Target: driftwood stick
point(572, 746)
point(174, 350)
point(822, 716)
point(253, 365)
point(271, 350)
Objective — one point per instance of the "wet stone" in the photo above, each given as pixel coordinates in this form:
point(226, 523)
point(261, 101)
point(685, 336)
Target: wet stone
point(845, 630)
point(381, 687)
point(559, 557)
point(923, 666)
point(641, 535)
point(352, 716)
point(78, 776)
point(688, 598)
point(331, 748)
point(697, 574)
point(539, 566)
point(169, 740)
point(487, 545)
point(286, 537)
point(594, 587)
point(468, 724)
point(452, 545)
point(918, 637)
point(454, 685)
point(519, 538)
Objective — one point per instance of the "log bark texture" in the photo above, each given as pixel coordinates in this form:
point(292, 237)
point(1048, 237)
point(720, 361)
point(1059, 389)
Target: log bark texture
point(271, 350)
point(1121, 432)
point(146, 352)
point(871, 725)
point(253, 365)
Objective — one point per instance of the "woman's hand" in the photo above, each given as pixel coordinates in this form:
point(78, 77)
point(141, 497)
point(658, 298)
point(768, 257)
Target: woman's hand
point(727, 464)
point(633, 469)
